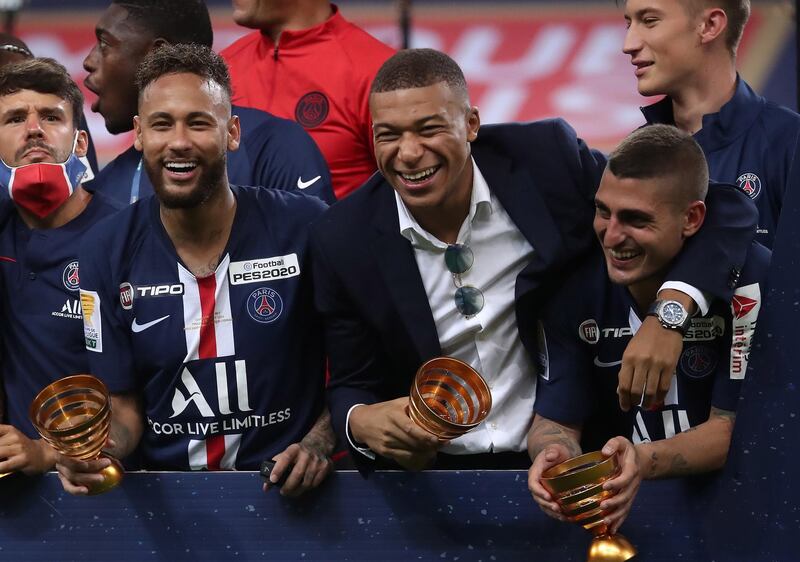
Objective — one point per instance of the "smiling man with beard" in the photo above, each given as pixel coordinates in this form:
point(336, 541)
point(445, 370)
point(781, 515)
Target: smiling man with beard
point(197, 302)
point(273, 152)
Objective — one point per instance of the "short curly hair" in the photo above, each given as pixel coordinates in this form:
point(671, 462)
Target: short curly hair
point(184, 58)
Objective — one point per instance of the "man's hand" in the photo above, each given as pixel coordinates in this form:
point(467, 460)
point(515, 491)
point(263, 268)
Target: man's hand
point(308, 461)
point(20, 453)
point(625, 485)
point(311, 466)
point(387, 430)
point(76, 475)
point(553, 454)
point(648, 365)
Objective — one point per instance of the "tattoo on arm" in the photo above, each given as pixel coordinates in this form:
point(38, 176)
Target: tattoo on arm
point(321, 438)
point(680, 465)
point(546, 432)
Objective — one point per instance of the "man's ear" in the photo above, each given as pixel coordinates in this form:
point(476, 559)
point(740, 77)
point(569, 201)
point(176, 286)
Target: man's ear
point(713, 24)
point(82, 143)
point(158, 42)
point(137, 129)
point(473, 123)
point(234, 132)
point(694, 217)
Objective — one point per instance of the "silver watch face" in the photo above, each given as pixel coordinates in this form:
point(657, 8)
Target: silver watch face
point(672, 313)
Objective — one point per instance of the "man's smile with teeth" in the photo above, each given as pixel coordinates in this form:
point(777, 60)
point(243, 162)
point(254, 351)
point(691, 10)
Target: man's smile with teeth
point(419, 176)
point(623, 254)
point(180, 166)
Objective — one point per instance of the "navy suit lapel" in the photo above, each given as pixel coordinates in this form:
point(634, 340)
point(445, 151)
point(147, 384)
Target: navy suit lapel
point(398, 267)
point(520, 197)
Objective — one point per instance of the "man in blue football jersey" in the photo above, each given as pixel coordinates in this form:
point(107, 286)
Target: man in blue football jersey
point(650, 201)
point(273, 152)
point(40, 230)
point(686, 49)
point(197, 302)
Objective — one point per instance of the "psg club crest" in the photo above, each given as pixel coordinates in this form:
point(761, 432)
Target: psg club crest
point(750, 184)
point(698, 361)
point(311, 110)
point(264, 305)
point(70, 276)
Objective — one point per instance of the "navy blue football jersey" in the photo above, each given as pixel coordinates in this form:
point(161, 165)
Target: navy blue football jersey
point(42, 334)
point(586, 327)
point(274, 152)
point(230, 366)
point(751, 143)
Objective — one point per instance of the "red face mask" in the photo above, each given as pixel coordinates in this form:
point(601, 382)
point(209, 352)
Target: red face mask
point(42, 188)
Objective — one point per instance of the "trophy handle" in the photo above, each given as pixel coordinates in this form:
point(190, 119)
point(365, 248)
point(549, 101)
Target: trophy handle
point(112, 475)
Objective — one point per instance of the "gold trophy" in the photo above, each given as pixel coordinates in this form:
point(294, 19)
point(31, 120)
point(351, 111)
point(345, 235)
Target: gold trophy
point(577, 486)
point(73, 415)
point(448, 398)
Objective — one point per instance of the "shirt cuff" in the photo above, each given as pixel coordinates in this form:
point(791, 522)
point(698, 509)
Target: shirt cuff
point(366, 451)
point(698, 296)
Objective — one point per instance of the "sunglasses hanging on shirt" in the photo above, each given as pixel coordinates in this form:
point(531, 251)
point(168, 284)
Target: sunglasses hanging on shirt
point(459, 259)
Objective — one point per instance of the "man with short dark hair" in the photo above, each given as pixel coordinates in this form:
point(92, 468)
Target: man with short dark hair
point(686, 49)
point(274, 153)
point(197, 302)
point(305, 62)
point(452, 250)
point(40, 231)
point(649, 204)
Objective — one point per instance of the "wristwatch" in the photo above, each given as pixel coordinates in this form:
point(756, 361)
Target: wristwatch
point(671, 314)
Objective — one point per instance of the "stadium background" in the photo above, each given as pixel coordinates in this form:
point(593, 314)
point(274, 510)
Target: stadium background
point(523, 59)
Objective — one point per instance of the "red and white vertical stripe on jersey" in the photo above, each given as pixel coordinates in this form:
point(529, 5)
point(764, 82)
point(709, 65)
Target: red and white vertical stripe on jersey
point(218, 452)
point(208, 323)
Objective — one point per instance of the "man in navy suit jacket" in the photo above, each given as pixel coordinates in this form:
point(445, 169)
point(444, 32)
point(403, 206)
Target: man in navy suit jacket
point(453, 248)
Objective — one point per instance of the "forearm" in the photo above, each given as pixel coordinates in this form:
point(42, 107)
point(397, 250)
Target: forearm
point(700, 449)
point(321, 437)
point(127, 424)
point(545, 432)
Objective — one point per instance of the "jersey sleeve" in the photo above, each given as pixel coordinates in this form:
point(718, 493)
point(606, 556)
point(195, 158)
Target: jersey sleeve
point(106, 333)
point(284, 156)
point(744, 311)
point(564, 389)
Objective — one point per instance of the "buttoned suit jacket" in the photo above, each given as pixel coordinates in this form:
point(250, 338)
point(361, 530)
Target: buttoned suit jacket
point(378, 323)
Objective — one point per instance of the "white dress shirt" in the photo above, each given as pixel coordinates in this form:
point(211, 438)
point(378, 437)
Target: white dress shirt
point(488, 341)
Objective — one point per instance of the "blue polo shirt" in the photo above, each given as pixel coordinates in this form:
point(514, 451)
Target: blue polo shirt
point(274, 152)
point(42, 335)
point(751, 143)
point(586, 327)
point(230, 366)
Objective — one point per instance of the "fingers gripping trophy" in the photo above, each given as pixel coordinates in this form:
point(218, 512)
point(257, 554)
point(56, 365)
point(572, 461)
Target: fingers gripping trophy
point(73, 415)
point(577, 486)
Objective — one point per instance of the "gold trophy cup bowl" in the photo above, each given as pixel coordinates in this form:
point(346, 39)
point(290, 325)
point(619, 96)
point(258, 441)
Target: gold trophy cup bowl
point(577, 487)
point(448, 398)
point(73, 415)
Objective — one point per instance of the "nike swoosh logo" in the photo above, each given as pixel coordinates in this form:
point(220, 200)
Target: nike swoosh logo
point(136, 327)
point(304, 184)
point(604, 364)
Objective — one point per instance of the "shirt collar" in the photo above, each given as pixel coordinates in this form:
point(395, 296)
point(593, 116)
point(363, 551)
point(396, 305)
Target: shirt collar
point(720, 128)
point(301, 37)
point(480, 208)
